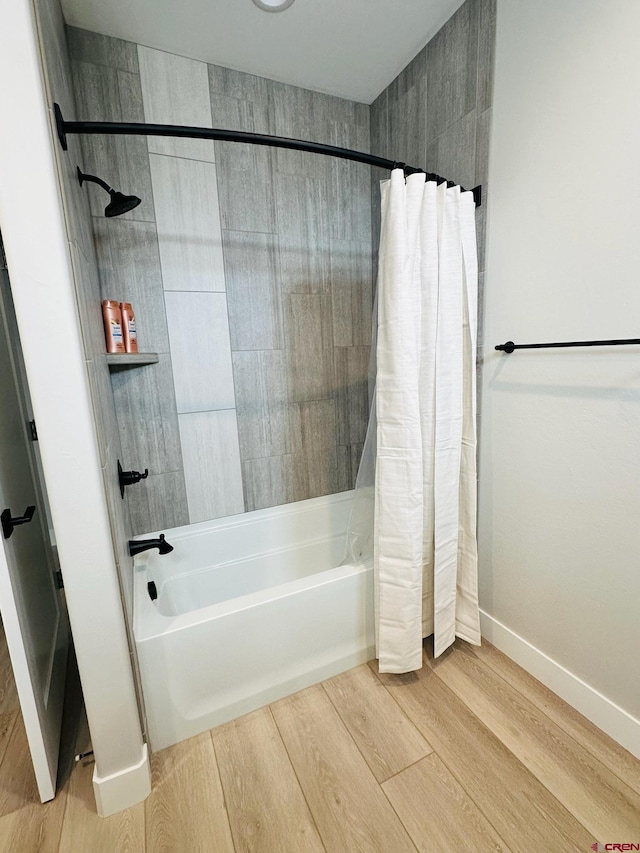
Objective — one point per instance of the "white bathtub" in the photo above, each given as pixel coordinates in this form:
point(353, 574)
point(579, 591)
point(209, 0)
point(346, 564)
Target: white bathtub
point(250, 609)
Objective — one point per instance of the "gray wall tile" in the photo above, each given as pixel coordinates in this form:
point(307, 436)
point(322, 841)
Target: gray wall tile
point(348, 203)
point(407, 119)
point(309, 345)
point(245, 187)
point(315, 462)
point(458, 77)
point(129, 266)
point(108, 94)
point(351, 292)
point(86, 46)
point(255, 312)
point(89, 300)
point(268, 481)
point(453, 154)
point(212, 470)
point(175, 90)
point(352, 393)
point(239, 85)
point(239, 101)
point(302, 223)
point(348, 463)
point(452, 70)
point(103, 407)
point(146, 409)
point(56, 65)
point(486, 53)
point(185, 195)
point(200, 351)
point(379, 117)
point(280, 212)
point(262, 403)
point(158, 503)
point(58, 81)
point(295, 117)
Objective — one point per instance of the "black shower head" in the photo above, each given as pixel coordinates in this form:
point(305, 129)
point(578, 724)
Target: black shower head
point(119, 203)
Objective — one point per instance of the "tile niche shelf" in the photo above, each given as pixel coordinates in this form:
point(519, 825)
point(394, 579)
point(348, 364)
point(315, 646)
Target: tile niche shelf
point(127, 360)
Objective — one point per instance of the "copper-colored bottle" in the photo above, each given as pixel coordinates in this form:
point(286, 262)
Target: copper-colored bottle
point(113, 326)
point(129, 327)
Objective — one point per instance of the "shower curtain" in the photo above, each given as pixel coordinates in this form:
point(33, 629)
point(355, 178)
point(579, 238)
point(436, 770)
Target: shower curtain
point(418, 472)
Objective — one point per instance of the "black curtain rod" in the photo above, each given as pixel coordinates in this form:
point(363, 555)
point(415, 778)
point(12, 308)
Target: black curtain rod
point(141, 129)
point(509, 346)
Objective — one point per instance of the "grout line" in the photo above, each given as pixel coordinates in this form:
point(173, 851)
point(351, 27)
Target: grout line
point(193, 290)
point(206, 411)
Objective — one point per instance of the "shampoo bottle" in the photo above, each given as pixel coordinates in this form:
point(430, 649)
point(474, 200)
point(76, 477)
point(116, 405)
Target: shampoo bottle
point(113, 326)
point(129, 327)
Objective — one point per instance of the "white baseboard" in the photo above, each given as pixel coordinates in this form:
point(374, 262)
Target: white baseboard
point(123, 789)
point(602, 712)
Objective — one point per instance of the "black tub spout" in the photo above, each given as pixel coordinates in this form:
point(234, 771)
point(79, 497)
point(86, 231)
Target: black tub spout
point(140, 545)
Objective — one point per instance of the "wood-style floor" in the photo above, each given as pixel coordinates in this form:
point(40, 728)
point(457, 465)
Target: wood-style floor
point(469, 755)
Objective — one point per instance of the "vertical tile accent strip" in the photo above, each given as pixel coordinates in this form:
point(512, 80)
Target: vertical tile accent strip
point(185, 195)
point(212, 471)
point(175, 90)
point(200, 351)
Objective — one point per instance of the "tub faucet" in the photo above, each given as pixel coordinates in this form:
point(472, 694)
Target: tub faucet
point(140, 545)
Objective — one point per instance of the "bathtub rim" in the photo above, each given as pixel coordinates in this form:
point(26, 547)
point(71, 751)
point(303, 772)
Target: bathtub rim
point(149, 622)
point(243, 519)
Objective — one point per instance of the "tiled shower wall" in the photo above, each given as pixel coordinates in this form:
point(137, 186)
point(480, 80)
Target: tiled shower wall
point(251, 268)
point(436, 114)
point(250, 272)
point(59, 88)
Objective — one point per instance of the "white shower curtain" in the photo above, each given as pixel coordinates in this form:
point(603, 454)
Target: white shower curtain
point(423, 484)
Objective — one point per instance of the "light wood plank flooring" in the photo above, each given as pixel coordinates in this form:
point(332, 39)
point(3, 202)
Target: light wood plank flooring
point(469, 754)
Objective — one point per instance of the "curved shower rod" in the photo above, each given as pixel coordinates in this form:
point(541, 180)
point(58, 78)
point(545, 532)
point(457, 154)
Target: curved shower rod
point(143, 129)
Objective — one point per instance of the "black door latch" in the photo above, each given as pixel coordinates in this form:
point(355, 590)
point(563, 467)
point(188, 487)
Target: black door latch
point(8, 523)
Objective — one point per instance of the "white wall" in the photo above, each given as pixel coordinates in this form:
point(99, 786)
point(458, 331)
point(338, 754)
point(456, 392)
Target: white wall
point(39, 262)
point(560, 429)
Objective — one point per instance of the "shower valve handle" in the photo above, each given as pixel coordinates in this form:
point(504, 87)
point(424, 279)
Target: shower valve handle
point(128, 478)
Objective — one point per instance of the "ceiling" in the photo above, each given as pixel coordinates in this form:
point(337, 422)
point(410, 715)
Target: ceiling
point(350, 48)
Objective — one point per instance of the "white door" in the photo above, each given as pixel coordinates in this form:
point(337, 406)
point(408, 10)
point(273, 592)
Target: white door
point(33, 613)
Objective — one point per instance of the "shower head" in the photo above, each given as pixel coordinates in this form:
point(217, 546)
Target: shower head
point(119, 203)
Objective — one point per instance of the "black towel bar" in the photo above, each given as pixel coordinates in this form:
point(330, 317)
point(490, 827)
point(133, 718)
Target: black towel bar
point(509, 346)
